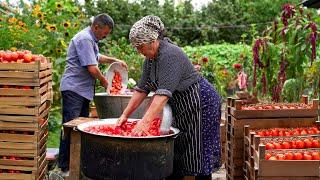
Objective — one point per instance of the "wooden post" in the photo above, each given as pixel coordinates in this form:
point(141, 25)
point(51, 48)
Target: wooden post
point(315, 103)
point(262, 152)
point(238, 104)
point(256, 141)
point(304, 99)
point(229, 101)
point(246, 130)
point(75, 146)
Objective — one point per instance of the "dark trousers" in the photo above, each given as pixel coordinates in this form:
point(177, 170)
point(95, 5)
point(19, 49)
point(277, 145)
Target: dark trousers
point(73, 106)
point(177, 177)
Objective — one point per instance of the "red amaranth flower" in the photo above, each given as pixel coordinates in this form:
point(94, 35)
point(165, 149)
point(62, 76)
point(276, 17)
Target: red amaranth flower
point(237, 66)
point(205, 59)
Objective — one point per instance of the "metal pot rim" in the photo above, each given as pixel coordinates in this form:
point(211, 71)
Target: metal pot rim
point(112, 121)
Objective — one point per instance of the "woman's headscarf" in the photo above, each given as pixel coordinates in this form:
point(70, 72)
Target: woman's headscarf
point(146, 30)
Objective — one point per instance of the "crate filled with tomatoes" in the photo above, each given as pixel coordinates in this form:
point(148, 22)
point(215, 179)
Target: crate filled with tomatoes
point(21, 167)
point(25, 101)
point(276, 115)
point(242, 110)
point(274, 153)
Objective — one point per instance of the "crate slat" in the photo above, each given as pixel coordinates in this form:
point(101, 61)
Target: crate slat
point(25, 119)
point(23, 110)
point(25, 82)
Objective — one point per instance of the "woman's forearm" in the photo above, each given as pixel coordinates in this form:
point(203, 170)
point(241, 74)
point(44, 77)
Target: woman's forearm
point(134, 103)
point(155, 108)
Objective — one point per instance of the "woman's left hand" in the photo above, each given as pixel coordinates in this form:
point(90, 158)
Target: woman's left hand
point(123, 63)
point(141, 128)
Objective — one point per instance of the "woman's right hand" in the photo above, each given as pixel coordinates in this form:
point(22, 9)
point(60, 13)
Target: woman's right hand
point(122, 119)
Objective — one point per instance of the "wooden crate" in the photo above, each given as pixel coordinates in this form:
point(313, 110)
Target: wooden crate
point(25, 97)
point(285, 168)
point(22, 110)
point(23, 160)
point(23, 126)
point(29, 118)
point(28, 149)
point(27, 173)
point(25, 74)
point(237, 112)
point(28, 136)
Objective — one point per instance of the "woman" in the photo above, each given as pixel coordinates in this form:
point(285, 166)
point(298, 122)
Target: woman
point(196, 106)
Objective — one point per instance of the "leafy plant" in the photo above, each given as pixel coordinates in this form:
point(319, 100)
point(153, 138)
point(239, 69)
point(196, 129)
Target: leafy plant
point(285, 53)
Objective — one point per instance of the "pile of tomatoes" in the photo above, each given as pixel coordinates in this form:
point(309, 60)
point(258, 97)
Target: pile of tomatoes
point(24, 56)
point(276, 106)
point(293, 155)
point(125, 129)
point(292, 143)
point(116, 84)
point(288, 131)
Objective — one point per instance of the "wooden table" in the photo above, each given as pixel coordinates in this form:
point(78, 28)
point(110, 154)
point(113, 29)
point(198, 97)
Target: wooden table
point(75, 145)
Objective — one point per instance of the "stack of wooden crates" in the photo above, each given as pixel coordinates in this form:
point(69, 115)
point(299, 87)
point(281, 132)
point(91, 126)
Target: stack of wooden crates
point(25, 100)
point(238, 148)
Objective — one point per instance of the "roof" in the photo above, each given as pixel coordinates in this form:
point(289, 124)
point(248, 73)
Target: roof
point(311, 3)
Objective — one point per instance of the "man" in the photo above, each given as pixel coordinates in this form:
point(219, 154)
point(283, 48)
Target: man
point(78, 80)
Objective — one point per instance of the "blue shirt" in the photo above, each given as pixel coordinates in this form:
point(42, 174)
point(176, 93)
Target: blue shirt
point(82, 51)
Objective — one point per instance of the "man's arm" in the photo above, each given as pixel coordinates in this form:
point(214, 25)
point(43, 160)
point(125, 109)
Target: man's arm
point(96, 73)
point(107, 59)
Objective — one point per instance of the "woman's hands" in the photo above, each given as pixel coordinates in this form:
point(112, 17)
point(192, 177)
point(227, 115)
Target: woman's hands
point(122, 119)
point(141, 128)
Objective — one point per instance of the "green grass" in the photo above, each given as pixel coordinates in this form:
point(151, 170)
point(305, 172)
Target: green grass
point(54, 139)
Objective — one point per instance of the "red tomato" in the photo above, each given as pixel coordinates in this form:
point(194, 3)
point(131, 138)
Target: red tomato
point(269, 146)
point(261, 133)
point(315, 143)
point(304, 132)
point(27, 58)
point(277, 145)
point(307, 157)
point(280, 157)
point(286, 145)
point(281, 133)
point(275, 132)
point(293, 144)
point(14, 56)
point(297, 156)
point(272, 158)
point(289, 155)
point(287, 133)
point(315, 155)
point(300, 144)
point(267, 156)
point(307, 143)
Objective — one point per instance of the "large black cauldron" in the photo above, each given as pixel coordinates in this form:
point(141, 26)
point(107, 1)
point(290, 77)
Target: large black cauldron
point(125, 158)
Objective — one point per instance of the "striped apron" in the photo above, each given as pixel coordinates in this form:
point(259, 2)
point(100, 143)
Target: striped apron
point(197, 113)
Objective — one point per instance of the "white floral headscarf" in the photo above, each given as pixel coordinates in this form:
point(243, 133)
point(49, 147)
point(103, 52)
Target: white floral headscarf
point(146, 30)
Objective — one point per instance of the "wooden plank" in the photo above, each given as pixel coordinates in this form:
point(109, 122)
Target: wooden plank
point(272, 122)
point(25, 75)
point(25, 138)
point(22, 110)
point(75, 146)
point(288, 178)
point(25, 100)
point(286, 168)
point(31, 162)
point(33, 173)
point(23, 152)
point(25, 82)
point(24, 146)
point(22, 126)
point(26, 119)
